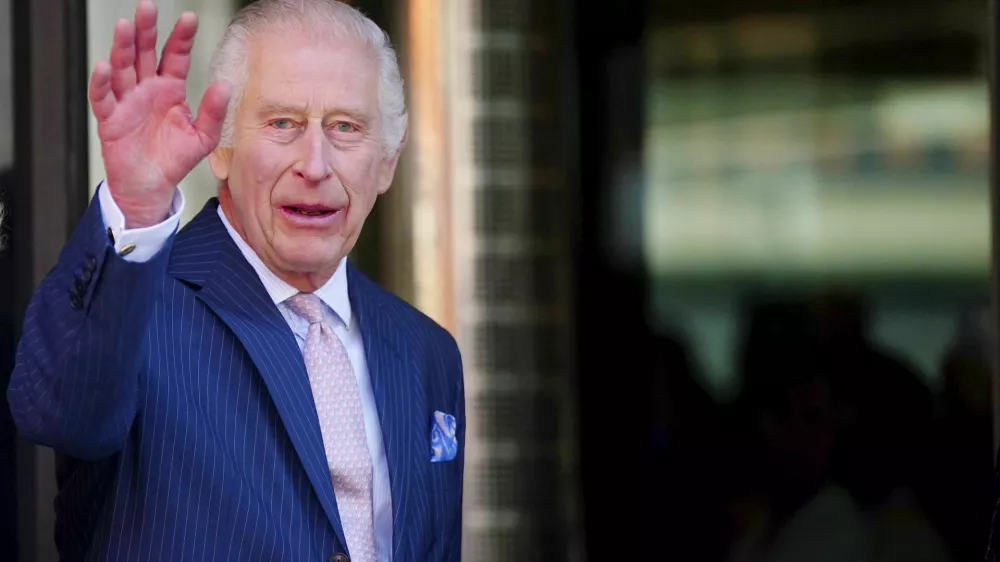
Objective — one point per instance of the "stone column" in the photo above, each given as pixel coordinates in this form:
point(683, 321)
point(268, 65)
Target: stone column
point(491, 146)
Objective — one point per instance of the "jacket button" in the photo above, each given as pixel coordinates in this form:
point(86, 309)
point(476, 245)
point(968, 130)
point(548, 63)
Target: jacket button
point(339, 557)
point(76, 300)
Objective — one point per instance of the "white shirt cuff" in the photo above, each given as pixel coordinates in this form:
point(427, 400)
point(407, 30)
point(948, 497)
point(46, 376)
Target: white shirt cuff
point(138, 244)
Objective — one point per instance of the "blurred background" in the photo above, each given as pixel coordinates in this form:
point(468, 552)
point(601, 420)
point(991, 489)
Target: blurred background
point(720, 271)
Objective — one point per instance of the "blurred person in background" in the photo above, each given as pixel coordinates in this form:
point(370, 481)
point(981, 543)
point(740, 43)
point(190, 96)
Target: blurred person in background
point(691, 464)
point(830, 428)
point(961, 465)
point(882, 451)
point(239, 390)
point(791, 509)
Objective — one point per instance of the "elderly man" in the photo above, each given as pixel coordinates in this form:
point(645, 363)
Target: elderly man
point(238, 390)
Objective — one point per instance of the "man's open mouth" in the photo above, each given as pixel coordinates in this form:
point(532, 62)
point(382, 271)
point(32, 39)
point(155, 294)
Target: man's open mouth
point(309, 211)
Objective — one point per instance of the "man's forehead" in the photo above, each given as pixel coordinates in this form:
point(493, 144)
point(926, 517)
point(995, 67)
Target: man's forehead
point(289, 72)
point(302, 59)
point(275, 44)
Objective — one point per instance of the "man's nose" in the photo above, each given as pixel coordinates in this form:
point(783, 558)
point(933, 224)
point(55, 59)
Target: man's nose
point(316, 163)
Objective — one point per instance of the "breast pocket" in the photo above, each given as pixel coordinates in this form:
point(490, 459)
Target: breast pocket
point(444, 437)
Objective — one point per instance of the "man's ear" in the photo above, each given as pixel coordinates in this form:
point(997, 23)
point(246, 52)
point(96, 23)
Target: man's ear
point(219, 160)
point(388, 169)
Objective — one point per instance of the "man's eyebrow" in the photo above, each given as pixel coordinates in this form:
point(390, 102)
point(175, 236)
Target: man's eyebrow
point(354, 115)
point(270, 108)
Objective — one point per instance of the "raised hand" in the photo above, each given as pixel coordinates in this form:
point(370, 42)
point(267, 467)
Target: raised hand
point(149, 139)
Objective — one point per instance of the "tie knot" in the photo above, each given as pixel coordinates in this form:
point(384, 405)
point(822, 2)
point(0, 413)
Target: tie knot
point(308, 306)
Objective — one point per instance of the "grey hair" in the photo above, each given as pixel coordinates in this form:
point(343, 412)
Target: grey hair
point(332, 18)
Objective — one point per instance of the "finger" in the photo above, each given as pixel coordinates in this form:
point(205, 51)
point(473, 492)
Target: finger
point(177, 51)
point(212, 114)
point(145, 40)
point(102, 99)
point(123, 59)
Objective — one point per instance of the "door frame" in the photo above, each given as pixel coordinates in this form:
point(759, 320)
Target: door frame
point(45, 193)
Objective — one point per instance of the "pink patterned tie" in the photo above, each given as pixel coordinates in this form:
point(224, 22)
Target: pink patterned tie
point(338, 403)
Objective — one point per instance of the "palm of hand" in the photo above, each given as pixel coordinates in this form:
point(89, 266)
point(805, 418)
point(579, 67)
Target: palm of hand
point(151, 137)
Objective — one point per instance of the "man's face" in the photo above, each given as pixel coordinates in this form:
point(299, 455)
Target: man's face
point(306, 163)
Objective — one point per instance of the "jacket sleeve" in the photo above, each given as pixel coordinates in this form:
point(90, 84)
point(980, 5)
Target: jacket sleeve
point(76, 371)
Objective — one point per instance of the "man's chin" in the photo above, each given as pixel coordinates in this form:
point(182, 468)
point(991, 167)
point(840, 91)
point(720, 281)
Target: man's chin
point(304, 262)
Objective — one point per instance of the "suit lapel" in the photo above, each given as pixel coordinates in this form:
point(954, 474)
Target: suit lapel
point(398, 398)
point(205, 257)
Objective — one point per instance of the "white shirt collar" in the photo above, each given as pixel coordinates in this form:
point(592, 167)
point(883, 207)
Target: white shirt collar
point(334, 292)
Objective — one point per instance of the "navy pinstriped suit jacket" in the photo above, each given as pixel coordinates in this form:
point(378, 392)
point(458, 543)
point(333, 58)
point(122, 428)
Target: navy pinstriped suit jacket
point(178, 401)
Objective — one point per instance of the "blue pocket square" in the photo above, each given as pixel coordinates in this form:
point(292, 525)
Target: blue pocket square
point(444, 443)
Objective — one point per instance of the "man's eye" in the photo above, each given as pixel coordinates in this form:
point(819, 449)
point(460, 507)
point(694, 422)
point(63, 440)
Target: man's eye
point(282, 123)
point(344, 127)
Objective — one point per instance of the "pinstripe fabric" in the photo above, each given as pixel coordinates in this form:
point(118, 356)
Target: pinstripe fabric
point(178, 399)
point(337, 310)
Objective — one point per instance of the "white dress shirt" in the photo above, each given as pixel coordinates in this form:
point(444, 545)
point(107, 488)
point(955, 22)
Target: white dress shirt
point(337, 313)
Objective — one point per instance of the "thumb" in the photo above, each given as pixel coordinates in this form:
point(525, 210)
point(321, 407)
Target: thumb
point(212, 114)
